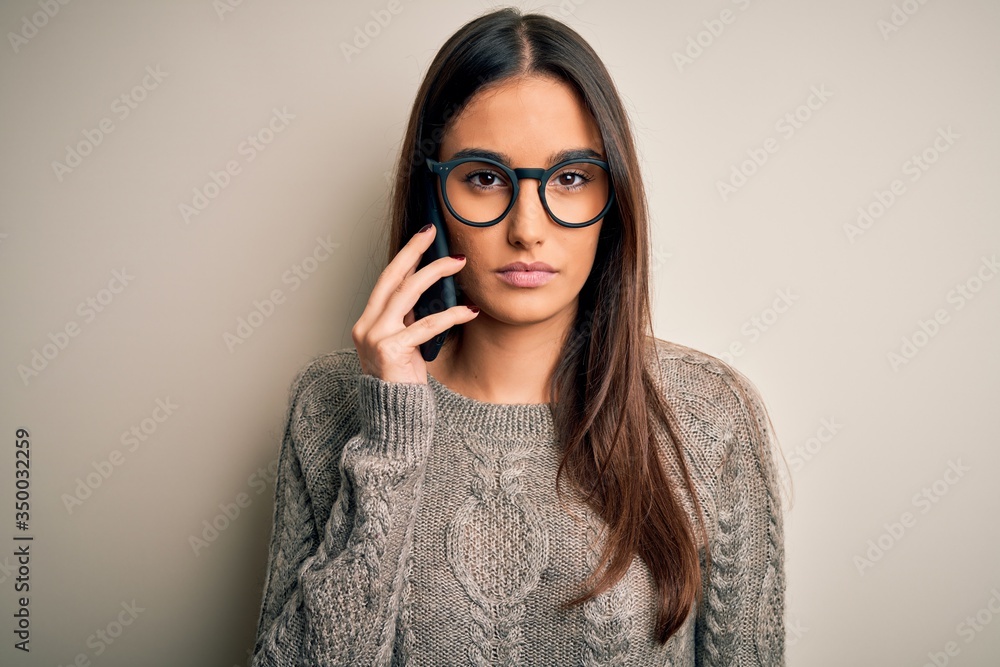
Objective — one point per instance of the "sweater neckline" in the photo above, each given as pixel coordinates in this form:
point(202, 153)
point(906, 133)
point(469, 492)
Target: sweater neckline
point(502, 419)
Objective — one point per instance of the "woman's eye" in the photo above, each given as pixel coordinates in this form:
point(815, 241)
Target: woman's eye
point(484, 179)
point(571, 179)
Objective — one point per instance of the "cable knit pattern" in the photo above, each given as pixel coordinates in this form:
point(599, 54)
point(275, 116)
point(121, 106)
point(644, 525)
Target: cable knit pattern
point(497, 547)
point(416, 526)
point(609, 615)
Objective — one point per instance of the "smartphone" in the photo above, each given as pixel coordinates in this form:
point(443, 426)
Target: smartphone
point(443, 294)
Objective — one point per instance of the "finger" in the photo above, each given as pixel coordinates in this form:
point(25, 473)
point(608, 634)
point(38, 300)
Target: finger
point(428, 327)
point(405, 297)
point(402, 265)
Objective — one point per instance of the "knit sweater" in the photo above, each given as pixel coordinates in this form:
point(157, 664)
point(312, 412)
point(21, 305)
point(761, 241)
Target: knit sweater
point(416, 526)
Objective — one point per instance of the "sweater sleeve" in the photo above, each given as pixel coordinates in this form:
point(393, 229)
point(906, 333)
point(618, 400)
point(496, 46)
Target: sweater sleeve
point(741, 620)
point(331, 591)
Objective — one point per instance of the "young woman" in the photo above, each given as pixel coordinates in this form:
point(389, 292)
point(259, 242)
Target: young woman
point(420, 516)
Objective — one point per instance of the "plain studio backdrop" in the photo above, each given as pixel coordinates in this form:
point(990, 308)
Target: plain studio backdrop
point(194, 203)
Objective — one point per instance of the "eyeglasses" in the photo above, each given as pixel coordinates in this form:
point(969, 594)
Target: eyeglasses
point(480, 192)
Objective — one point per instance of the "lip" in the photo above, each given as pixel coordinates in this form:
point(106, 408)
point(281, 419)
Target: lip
point(526, 278)
point(519, 274)
point(521, 266)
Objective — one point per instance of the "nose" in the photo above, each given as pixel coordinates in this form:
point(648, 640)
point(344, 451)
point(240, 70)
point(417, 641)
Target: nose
point(528, 219)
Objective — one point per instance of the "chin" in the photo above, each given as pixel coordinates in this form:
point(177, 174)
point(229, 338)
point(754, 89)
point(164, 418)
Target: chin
point(521, 311)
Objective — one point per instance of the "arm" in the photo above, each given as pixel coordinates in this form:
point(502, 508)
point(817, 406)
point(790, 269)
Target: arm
point(741, 620)
point(330, 590)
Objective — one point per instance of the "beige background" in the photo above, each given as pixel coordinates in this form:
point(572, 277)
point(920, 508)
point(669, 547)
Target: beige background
point(863, 435)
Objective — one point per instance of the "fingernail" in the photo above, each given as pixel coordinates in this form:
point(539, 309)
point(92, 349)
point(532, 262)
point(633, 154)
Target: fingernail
point(474, 309)
point(425, 228)
point(459, 257)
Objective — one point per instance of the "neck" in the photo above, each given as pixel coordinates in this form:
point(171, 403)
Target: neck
point(505, 363)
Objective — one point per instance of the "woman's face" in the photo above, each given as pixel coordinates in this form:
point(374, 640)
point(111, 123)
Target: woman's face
point(529, 120)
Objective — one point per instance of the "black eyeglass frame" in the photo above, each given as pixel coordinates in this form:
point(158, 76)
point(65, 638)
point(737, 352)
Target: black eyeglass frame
point(443, 169)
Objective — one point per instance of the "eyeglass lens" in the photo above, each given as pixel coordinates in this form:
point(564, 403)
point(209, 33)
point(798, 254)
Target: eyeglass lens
point(480, 192)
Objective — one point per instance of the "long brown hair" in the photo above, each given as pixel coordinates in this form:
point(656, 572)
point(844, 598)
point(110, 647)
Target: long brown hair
point(607, 396)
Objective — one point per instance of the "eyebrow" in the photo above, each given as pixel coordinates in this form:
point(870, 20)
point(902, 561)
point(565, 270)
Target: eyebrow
point(555, 158)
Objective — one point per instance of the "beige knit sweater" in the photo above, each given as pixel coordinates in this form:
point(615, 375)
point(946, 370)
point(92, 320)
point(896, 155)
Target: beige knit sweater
point(416, 526)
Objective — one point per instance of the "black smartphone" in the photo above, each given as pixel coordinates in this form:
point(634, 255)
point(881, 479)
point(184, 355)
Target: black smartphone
point(443, 294)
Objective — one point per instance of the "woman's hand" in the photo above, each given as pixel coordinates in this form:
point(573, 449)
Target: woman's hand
point(387, 336)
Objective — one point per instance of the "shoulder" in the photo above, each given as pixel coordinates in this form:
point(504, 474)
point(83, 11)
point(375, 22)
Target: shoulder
point(685, 372)
point(673, 357)
point(323, 394)
point(718, 409)
point(326, 370)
